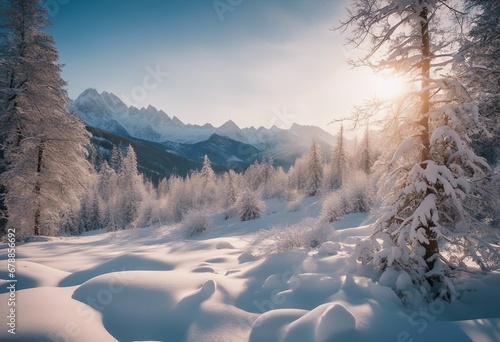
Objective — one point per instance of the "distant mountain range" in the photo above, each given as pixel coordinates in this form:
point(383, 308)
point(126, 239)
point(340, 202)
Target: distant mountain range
point(227, 145)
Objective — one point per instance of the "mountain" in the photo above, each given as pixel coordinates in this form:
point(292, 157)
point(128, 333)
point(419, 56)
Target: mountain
point(221, 150)
point(227, 144)
point(153, 160)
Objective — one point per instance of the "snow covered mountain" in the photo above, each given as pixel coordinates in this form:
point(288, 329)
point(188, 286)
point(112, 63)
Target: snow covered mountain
point(106, 111)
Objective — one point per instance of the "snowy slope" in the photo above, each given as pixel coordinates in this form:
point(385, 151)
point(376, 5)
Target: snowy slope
point(152, 284)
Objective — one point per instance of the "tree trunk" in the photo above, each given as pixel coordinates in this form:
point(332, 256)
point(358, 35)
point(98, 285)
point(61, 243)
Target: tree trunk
point(431, 248)
point(38, 212)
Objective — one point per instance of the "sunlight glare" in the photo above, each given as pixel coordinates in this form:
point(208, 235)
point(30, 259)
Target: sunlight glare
point(387, 87)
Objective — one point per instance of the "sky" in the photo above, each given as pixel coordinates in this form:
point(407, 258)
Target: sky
point(256, 62)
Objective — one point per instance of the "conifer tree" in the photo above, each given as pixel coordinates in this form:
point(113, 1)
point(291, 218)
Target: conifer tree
point(479, 70)
point(314, 170)
point(366, 155)
point(339, 162)
point(432, 171)
point(207, 174)
point(43, 145)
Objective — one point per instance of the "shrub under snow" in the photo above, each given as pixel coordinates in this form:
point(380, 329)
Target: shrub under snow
point(249, 205)
point(356, 196)
point(195, 222)
point(295, 202)
point(309, 233)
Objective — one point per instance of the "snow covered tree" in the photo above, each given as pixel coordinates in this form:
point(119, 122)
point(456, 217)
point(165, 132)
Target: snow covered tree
point(366, 154)
point(230, 191)
point(116, 157)
point(207, 174)
point(249, 205)
point(127, 201)
point(339, 163)
point(479, 69)
point(253, 176)
point(297, 175)
point(43, 145)
point(180, 197)
point(314, 170)
point(433, 170)
point(90, 212)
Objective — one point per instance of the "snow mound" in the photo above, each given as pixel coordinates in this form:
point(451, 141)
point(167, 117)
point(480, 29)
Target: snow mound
point(207, 289)
point(404, 282)
point(49, 314)
point(146, 305)
point(224, 245)
point(246, 257)
point(334, 321)
point(329, 248)
point(31, 274)
point(203, 269)
point(311, 283)
point(273, 282)
point(272, 325)
point(389, 278)
point(126, 262)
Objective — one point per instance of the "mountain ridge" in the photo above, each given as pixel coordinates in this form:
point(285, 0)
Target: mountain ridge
point(108, 112)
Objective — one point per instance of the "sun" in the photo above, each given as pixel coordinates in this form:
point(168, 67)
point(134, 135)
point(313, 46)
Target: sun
point(387, 87)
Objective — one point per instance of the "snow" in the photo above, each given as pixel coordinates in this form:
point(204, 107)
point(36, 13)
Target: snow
point(153, 284)
point(106, 111)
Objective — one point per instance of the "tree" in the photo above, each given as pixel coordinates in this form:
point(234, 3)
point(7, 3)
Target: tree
point(90, 212)
point(314, 170)
point(339, 162)
point(43, 145)
point(433, 170)
point(116, 158)
point(249, 205)
point(479, 69)
point(297, 175)
point(127, 201)
point(366, 155)
point(207, 174)
point(180, 197)
point(253, 176)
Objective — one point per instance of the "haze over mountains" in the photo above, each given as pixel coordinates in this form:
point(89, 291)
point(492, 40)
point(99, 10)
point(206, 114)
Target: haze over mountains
point(226, 145)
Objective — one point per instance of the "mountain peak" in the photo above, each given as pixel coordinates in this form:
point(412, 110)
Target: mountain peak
point(151, 109)
point(177, 122)
point(230, 125)
point(89, 92)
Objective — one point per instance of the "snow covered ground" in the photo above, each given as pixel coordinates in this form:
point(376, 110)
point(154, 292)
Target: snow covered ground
point(152, 284)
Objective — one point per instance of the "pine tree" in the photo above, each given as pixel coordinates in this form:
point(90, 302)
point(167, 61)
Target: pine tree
point(314, 170)
point(297, 175)
point(231, 190)
point(366, 155)
point(43, 145)
point(127, 201)
point(433, 170)
point(90, 212)
point(480, 70)
point(253, 176)
point(180, 197)
point(116, 158)
point(340, 161)
point(207, 174)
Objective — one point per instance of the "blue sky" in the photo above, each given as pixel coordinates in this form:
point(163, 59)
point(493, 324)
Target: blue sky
point(257, 62)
